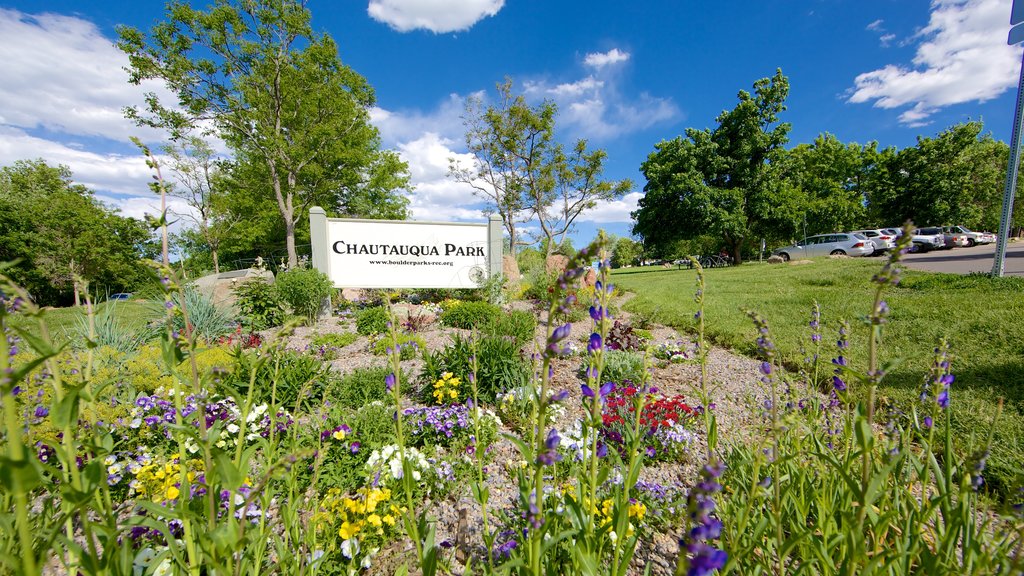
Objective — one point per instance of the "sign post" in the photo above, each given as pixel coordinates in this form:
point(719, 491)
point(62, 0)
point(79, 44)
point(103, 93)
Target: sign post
point(1015, 37)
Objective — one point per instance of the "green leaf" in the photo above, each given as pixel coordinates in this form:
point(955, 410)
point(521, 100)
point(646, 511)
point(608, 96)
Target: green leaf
point(64, 413)
point(19, 475)
point(229, 474)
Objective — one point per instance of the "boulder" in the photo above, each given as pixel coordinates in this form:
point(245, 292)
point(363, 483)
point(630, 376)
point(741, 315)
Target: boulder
point(352, 294)
point(556, 263)
point(220, 288)
point(775, 259)
point(510, 268)
point(590, 278)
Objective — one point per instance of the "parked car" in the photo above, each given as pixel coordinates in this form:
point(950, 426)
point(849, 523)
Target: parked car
point(848, 244)
point(973, 238)
point(949, 240)
point(921, 242)
point(120, 296)
point(883, 241)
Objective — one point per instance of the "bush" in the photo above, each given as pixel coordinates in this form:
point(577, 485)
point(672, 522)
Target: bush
point(620, 366)
point(304, 289)
point(501, 367)
point(372, 320)
point(260, 304)
point(334, 340)
point(622, 337)
point(362, 386)
point(470, 315)
point(518, 325)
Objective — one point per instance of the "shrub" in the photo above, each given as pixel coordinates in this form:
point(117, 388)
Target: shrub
point(362, 386)
point(304, 289)
point(501, 367)
point(372, 320)
point(470, 315)
point(622, 337)
point(260, 304)
point(620, 366)
point(517, 325)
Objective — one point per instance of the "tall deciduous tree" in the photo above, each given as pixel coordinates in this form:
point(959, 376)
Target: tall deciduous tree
point(524, 175)
point(829, 176)
point(276, 92)
point(724, 181)
point(198, 176)
point(64, 239)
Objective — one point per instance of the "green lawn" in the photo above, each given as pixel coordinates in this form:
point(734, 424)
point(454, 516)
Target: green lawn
point(981, 317)
point(63, 322)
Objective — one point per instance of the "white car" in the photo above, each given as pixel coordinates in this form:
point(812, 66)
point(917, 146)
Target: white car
point(845, 244)
point(973, 238)
point(882, 240)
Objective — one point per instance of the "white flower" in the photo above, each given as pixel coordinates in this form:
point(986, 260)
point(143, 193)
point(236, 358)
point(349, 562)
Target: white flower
point(350, 547)
point(233, 428)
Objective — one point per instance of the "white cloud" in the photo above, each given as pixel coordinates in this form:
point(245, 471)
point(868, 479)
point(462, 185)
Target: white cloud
point(117, 173)
point(886, 40)
point(438, 16)
point(403, 125)
point(438, 197)
point(60, 73)
point(595, 107)
point(614, 211)
point(876, 26)
point(962, 56)
point(601, 59)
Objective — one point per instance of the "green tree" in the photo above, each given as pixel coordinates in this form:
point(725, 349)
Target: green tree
point(625, 252)
point(278, 95)
point(198, 176)
point(829, 177)
point(956, 177)
point(66, 241)
point(725, 181)
point(524, 175)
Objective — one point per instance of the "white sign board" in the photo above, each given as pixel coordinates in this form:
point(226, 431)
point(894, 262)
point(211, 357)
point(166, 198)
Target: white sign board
point(390, 254)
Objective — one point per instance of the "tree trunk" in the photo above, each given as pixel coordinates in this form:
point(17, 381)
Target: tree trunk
point(289, 242)
point(737, 254)
point(216, 261)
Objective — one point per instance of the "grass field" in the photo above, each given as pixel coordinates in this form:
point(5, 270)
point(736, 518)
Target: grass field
point(62, 322)
point(981, 317)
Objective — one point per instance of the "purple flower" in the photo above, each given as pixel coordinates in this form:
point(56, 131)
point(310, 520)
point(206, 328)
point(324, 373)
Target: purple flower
point(42, 411)
point(702, 558)
point(587, 391)
point(928, 422)
point(766, 368)
point(595, 343)
point(389, 381)
point(596, 313)
point(607, 388)
point(838, 384)
point(550, 454)
point(559, 396)
point(560, 333)
point(943, 399)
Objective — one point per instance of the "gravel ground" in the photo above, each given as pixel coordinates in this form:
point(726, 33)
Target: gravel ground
point(734, 384)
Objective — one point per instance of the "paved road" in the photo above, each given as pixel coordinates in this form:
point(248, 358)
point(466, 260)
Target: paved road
point(967, 260)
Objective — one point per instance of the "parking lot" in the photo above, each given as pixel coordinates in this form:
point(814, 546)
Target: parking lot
point(967, 260)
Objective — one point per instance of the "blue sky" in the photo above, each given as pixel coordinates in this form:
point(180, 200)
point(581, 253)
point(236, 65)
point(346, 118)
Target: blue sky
point(625, 75)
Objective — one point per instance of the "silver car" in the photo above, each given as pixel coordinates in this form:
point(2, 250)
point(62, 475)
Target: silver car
point(847, 244)
point(883, 241)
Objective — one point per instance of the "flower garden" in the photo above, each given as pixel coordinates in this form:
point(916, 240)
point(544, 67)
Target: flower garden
point(553, 439)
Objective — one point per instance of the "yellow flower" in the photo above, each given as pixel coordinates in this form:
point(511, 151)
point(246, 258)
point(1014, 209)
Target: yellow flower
point(453, 394)
point(374, 520)
point(339, 434)
point(446, 376)
point(389, 520)
point(172, 492)
point(348, 530)
point(637, 509)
